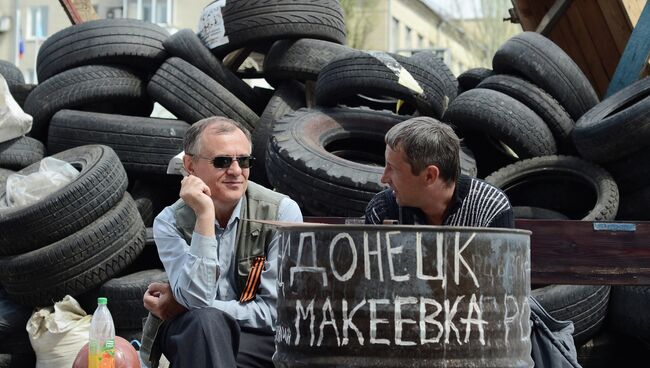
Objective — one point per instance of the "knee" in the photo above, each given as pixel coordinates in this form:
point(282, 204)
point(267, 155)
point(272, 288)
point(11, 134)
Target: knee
point(209, 318)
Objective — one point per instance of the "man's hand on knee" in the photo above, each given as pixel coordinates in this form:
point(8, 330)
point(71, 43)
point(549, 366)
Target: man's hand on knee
point(159, 300)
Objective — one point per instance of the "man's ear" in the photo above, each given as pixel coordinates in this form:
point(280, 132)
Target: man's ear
point(431, 174)
point(188, 163)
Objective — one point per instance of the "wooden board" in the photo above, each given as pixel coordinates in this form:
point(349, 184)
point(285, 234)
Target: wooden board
point(574, 252)
point(79, 11)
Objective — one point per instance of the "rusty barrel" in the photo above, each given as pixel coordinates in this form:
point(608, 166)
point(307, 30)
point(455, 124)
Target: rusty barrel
point(403, 296)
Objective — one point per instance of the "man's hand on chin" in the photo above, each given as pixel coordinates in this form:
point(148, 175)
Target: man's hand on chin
point(159, 300)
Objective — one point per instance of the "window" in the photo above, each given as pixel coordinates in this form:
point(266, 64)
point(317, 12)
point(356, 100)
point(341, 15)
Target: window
point(37, 22)
point(420, 42)
point(407, 38)
point(155, 11)
point(395, 34)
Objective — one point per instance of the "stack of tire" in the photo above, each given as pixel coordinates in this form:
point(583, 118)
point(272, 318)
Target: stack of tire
point(528, 105)
point(71, 241)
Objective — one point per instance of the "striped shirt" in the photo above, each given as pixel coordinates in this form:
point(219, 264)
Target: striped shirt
point(474, 203)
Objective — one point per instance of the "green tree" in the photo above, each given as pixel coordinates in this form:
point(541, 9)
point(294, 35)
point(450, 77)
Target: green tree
point(359, 20)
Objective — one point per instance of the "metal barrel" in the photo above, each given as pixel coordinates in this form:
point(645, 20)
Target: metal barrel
point(403, 296)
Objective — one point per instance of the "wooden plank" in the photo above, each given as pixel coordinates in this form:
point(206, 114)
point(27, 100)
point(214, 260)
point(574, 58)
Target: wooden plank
point(564, 37)
point(600, 37)
point(600, 79)
point(526, 14)
point(79, 11)
point(616, 20)
point(552, 16)
point(635, 57)
point(572, 252)
point(633, 9)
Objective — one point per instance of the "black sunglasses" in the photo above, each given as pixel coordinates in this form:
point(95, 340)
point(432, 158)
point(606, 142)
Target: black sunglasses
point(224, 162)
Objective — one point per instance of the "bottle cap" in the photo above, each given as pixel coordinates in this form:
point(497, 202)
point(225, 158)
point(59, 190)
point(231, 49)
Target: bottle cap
point(102, 300)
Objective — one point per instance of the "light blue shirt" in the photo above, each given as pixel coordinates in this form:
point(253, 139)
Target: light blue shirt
point(203, 273)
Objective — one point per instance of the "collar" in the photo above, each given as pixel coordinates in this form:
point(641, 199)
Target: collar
point(234, 217)
point(460, 191)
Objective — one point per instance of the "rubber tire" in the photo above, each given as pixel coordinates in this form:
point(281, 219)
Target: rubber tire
point(584, 305)
point(108, 89)
point(634, 205)
point(250, 23)
point(541, 61)
point(300, 60)
point(192, 95)
point(532, 179)
point(78, 263)
point(470, 78)
point(129, 42)
point(628, 313)
point(632, 172)
point(99, 186)
point(358, 72)
point(617, 127)
point(186, 45)
point(542, 104)
point(438, 67)
point(288, 97)
point(11, 73)
point(19, 153)
point(125, 294)
point(20, 92)
point(537, 213)
point(144, 145)
point(486, 112)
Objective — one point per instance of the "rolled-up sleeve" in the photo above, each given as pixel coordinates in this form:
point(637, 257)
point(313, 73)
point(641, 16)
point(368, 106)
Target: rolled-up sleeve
point(261, 312)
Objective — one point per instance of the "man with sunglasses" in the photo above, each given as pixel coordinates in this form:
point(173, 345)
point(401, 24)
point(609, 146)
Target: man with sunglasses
point(218, 309)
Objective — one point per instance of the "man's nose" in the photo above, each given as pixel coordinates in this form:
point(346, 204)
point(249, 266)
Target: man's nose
point(234, 168)
point(384, 177)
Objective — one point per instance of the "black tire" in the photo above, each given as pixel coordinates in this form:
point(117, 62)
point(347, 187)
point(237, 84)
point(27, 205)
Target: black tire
point(11, 73)
point(79, 262)
point(632, 172)
point(438, 67)
point(634, 205)
point(99, 186)
point(381, 75)
point(97, 88)
point(288, 97)
point(258, 22)
point(20, 92)
point(569, 185)
point(21, 152)
point(299, 59)
point(542, 104)
point(144, 145)
point(616, 127)
point(470, 78)
point(18, 360)
point(537, 213)
point(130, 42)
point(192, 95)
point(152, 195)
point(186, 45)
point(628, 313)
point(486, 112)
point(124, 294)
point(539, 60)
point(584, 305)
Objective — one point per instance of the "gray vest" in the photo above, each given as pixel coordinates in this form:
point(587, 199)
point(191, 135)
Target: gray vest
point(253, 239)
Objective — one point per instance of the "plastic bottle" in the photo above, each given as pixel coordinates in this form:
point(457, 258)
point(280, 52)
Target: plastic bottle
point(101, 347)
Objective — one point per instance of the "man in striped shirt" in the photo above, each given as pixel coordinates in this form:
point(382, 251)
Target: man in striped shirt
point(425, 185)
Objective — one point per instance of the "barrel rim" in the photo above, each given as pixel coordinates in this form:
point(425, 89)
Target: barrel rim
point(410, 228)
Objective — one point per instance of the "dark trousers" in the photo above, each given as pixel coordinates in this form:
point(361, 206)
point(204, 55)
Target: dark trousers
point(211, 338)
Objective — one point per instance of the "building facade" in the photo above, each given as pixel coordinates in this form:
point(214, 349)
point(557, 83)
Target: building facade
point(27, 23)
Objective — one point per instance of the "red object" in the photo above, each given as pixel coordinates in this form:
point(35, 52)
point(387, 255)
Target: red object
point(125, 355)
